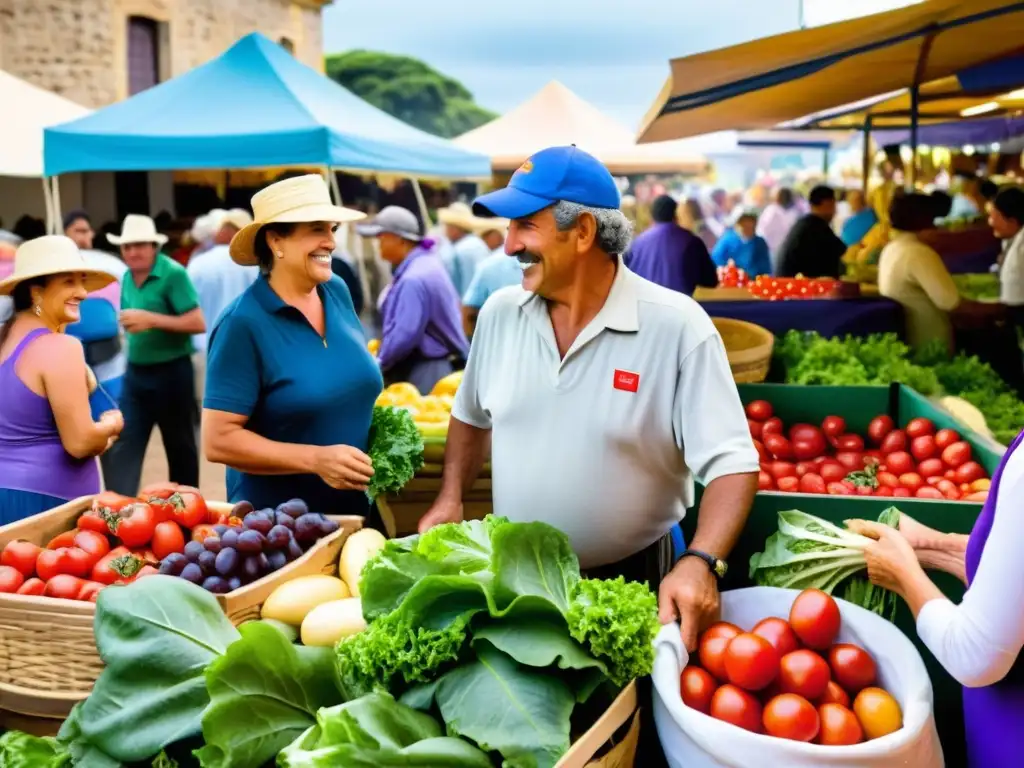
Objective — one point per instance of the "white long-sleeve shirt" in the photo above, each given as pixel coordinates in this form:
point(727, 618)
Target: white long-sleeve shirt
point(979, 640)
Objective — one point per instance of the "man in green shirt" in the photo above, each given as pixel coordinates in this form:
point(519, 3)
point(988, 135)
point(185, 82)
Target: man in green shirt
point(159, 312)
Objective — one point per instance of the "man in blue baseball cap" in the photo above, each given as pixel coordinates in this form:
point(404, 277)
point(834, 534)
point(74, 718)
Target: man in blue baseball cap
point(602, 396)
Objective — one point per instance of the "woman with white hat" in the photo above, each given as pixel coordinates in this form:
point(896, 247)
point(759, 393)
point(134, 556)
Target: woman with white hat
point(290, 385)
point(48, 439)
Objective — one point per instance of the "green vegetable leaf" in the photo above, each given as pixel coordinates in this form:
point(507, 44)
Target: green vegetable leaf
point(264, 692)
point(521, 712)
point(156, 637)
point(375, 731)
point(536, 640)
point(22, 750)
point(535, 559)
point(395, 448)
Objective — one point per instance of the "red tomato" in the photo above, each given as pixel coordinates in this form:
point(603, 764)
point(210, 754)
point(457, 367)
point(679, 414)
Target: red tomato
point(911, 480)
point(804, 432)
point(734, 705)
point(21, 555)
point(833, 426)
point(949, 489)
point(832, 471)
point(765, 482)
point(96, 545)
point(956, 454)
point(755, 429)
point(772, 427)
point(762, 452)
point(759, 410)
point(812, 483)
point(814, 617)
point(11, 579)
point(966, 473)
point(146, 570)
point(923, 447)
point(78, 562)
point(751, 662)
point(184, 504)
point(65, 586)
point(67, 539)
point(803, 467)
point(884, 491)
point(946, 437)
point(697, 687)
point(788, 484)
point(930, 468)
point(803, 672)
point(902, 493)
point(110, 502)
point(852, 667)
point(834, 694)
point(838, 489)
point(887, 480)
point(117, 563)
point(777, 632)
point(92, 520)
point(780, 469)
point(722, 629)
point(839, 727)
point(879, 427)
point(789, 716)
point(851, 443)
point(711, 652)
point(202, 532)
point(53, 562)
point(167, 538)
point(900, 462)
point(976, 496)
point(894, 441)
point(805, 450)
point(852, 460)
point(928, 492)
point(34, 587)
point(778, 446)
point(874, 455)
point(134, 524)
point(949, 474)
point(920, 426)
point(89, 591)
point(864, 490)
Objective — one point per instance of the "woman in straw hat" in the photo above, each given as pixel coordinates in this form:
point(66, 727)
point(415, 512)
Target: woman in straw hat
point(48, 439)
point(290, 386)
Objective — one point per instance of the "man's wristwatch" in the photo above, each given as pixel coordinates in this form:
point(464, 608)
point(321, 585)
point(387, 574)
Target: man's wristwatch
point(718, 566)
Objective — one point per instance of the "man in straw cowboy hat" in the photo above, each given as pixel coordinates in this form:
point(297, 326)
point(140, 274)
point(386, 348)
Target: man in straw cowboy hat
point(468, 249)
point(421, 339)
point(160, 312)
point(48, 438)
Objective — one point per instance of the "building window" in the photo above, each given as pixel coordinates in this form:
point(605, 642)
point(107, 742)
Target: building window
point(143, 54)
point(287, 44)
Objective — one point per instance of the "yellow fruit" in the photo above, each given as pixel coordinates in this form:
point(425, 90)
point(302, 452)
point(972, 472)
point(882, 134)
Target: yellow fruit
point(982, 484)
point(373, 346)
point(291, 601)
point(404, 389)
point(448, 385)
point(878, 712)
point(433, 429)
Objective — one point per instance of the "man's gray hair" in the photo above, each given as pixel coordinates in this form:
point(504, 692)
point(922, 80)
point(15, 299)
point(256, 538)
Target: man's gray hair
point(614, 230)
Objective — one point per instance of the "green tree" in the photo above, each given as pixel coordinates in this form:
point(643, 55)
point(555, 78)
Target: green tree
point(410, 90)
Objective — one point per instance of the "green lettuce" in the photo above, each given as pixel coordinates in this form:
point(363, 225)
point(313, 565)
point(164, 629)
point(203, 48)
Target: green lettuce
point(396, 450)
point(22, 750)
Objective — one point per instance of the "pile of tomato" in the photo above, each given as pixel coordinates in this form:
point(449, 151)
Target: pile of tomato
point(118, 540)
point(789, 679)
point(799, 287)
point(731, 276)
point(917, 460)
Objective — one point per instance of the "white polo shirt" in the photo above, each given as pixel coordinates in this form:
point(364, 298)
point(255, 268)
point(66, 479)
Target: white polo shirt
point(604, 444)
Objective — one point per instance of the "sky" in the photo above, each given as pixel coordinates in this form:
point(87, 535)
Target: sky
point(613, 53)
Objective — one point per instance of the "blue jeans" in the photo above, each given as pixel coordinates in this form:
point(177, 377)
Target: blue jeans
point(17, 505)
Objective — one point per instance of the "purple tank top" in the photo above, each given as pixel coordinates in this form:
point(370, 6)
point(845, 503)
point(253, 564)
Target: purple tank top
point(32, 457)
point(994, 715)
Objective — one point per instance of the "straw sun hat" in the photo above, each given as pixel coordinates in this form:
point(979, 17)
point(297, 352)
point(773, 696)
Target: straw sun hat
point(52, 255)
point(292, 201)
point(137, 229)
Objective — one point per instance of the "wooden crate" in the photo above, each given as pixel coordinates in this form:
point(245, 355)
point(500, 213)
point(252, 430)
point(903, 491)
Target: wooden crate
point(48, 656)
point(401, 512)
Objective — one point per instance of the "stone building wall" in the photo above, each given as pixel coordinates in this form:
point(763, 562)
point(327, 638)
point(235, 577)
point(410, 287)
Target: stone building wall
point(78, 48)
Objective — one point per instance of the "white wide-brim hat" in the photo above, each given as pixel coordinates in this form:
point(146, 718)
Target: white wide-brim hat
point(460, 215)
point(137, 229)
point(52, 255)
point(485, 225)
point(292, 201)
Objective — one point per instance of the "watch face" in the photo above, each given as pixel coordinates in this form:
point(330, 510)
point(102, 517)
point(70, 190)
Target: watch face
point(721, 568)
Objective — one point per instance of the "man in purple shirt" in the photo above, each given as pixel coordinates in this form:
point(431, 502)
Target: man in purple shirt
point(422, 339)
point(669, 255)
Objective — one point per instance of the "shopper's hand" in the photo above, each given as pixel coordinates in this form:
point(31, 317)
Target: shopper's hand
point(443, 510)
point(343, 467)
point(114, 421)
point(689, 593)
point(137, 320)
point(890, 558)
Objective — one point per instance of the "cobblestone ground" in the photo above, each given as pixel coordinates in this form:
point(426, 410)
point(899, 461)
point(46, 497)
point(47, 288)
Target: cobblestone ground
point(154, 470)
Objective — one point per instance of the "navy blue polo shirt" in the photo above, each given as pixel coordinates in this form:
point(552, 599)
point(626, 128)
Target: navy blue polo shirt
point(265, 361)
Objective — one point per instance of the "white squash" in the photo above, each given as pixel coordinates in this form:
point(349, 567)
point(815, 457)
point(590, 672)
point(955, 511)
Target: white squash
point(357, 549)
point(294, 599)
point(330, 622)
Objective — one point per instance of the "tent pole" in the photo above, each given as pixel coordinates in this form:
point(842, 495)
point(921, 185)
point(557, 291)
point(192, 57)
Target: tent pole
point(332, 179)
point(56, 204)
point(914, 109)
point(421, 201)
point(51, 226)
point(824, 164)
point(865, 162)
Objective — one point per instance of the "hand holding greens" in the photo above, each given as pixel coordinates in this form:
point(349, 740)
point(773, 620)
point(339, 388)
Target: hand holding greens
point(396, 450)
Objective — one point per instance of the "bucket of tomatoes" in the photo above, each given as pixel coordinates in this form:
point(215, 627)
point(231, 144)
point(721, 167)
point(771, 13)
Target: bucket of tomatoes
point(798, 679)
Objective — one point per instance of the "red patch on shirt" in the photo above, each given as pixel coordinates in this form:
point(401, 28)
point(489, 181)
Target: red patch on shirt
point(627, 381)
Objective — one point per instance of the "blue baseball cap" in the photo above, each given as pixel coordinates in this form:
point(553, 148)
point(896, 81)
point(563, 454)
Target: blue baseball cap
point(557, 173)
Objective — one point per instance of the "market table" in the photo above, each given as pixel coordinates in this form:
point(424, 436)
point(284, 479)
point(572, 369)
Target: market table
point(972, 249)
point(829, 317)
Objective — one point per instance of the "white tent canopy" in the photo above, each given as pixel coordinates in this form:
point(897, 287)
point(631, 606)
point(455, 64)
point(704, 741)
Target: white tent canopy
point(29, 109)
point(555, 116)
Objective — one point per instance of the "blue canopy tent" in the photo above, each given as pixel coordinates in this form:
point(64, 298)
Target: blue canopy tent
point(253, 106)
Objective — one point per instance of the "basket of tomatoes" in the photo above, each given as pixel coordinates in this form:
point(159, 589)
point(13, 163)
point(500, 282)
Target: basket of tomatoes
point(797, 679)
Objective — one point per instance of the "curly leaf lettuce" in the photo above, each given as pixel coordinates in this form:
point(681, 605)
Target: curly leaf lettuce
point(22, 750)
point(395, 448)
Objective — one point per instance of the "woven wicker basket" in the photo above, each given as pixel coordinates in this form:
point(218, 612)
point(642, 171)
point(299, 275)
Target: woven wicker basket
point(749, 348)
point(48, 656)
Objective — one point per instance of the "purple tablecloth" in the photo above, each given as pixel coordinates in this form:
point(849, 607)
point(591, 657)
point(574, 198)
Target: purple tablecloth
point(970, 263)
point(829, 317)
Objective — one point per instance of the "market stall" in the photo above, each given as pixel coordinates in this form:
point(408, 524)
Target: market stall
point(829, 317)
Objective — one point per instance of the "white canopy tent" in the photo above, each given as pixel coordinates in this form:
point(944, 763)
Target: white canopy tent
point(555, 116)
point(29, 109)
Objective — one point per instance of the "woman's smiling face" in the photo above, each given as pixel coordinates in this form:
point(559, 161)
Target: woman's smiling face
point(306, 252)
point(60, 299)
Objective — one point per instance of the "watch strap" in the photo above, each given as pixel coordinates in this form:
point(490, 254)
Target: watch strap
point(716, 565)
